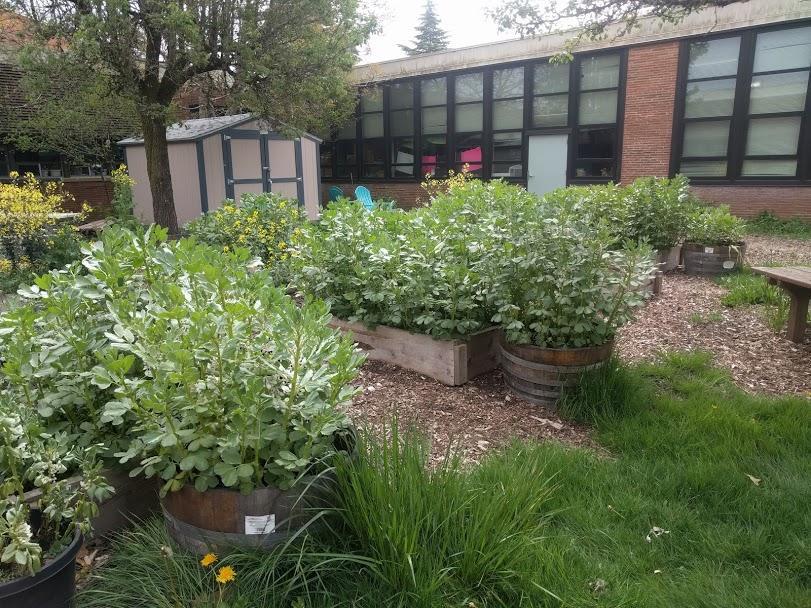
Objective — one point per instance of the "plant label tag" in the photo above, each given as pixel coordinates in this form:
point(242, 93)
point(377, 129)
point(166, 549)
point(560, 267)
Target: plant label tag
point(729, 265)
point(709, 250)
point(260, 524)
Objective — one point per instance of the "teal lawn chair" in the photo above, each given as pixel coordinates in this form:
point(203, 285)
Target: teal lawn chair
point(364, 197)
point(335, 193)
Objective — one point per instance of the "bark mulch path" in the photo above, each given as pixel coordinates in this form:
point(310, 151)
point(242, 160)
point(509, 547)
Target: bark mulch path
point(477, 416)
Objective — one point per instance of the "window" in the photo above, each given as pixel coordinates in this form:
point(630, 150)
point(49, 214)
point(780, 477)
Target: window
point(776, 103)
point(469, 122)
point(595, 136)
point(744, 106)
point(401, 129)
point(434, 142)
point(550, 99)
point(372, 132)
point(4, 162)
point(508, 119)
point(708, 107)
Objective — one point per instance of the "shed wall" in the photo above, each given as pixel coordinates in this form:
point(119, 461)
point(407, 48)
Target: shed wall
point(141, 194)
point(309, 162)
point(185, 182)
point(215, 171)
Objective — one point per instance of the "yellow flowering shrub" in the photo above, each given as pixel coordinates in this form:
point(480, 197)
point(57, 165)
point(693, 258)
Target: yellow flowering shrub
point(435, 186)
point(266, 224)
point(32, 236)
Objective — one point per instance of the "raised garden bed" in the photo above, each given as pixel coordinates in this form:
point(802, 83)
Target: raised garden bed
point(452, 362)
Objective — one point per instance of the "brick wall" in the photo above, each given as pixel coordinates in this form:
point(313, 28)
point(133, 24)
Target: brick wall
point(96, 191)
point(747, 201)
point(650, 94)
point(405, 194)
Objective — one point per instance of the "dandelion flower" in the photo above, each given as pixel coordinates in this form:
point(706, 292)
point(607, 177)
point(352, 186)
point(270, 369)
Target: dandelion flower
point(226, 574)
point(208, 559)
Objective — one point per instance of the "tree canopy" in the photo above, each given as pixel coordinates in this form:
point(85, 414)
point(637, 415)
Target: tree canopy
point(530, 17)
point(430, 35)
point(285, 60)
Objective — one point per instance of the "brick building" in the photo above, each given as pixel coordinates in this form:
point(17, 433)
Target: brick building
point(722, 97)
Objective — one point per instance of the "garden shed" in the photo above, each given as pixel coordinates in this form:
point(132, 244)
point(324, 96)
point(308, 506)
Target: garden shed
point(212, 159)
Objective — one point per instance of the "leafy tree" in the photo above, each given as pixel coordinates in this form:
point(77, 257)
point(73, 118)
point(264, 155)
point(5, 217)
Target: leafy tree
point(285, 60)
point(528, 17)
point(430, 35)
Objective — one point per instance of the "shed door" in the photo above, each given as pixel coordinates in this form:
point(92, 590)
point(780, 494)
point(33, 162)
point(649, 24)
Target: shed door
point(285, 172)
point(245, 160)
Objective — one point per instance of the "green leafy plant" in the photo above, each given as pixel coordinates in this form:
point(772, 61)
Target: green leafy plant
point(32, 531)
point(768, 222)
point(714, 225)
point(266, 224)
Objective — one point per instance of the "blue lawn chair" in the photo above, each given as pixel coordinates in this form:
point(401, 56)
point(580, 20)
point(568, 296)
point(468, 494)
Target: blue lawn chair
point(364, 197)
point(335, 193)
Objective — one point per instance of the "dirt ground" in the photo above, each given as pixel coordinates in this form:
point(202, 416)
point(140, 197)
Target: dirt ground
point(688, 315)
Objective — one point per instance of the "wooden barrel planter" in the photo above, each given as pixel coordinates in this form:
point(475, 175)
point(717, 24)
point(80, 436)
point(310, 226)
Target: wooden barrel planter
point(221, 518)
point(539, 375)
point(713, 260)
point(668, 259)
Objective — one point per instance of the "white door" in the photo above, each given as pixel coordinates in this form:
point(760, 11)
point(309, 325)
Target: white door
point(547, 162)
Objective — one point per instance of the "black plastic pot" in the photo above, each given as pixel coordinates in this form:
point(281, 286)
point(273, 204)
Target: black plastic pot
point(51, 587)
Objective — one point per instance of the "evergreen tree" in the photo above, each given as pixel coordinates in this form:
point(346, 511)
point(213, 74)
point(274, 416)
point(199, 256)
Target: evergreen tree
point(430, 35)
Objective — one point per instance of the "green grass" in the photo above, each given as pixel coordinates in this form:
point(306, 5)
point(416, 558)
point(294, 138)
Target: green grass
point(767, 223)
point(550, 525)
point(748, 289)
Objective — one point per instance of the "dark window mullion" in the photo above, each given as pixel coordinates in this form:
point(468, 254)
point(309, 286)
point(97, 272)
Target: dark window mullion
point(574, 115)
point(487, 135)
point(679, 108)
point(740, 125)
point(417, 129)
point(450, 121)
point(387, 160)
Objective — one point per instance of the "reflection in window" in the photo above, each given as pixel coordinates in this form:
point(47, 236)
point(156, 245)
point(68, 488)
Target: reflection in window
point(596, 151)
point(469, 152)
point(507, 155)
point(434, 156)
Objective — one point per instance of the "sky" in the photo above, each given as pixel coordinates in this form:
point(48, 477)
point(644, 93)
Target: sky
point(464, 20)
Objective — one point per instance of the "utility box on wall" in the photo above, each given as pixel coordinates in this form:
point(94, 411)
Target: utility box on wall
point(212, 159)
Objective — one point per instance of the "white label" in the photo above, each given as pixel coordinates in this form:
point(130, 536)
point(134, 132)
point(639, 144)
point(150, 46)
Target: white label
point(729, 264)
point(709, 250)
point(260, 524)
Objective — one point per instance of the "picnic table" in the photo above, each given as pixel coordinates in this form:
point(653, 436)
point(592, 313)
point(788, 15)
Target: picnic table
point(796, 280)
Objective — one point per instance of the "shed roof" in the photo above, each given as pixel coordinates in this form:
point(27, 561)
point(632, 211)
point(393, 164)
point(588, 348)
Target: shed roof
point(197, 128)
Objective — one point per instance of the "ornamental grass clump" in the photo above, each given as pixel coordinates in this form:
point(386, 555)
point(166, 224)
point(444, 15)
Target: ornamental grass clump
point(181, 362)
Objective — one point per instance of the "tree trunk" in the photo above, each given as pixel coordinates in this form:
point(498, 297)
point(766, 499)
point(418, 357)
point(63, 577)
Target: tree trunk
point(157, 168)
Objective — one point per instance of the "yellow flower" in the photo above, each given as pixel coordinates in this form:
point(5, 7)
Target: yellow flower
point(5, 265)
point(226, 574)
point(226, 249)
point(208, 559)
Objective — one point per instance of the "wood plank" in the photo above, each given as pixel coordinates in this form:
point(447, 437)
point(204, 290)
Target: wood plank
point(794, 275)
point(452, 362)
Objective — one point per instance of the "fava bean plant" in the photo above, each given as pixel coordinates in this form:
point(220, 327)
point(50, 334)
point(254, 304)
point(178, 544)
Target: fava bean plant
point(36, 528)
point(182, 362)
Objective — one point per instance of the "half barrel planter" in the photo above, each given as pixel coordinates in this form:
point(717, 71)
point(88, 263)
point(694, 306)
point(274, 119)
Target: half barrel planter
point(52, 587)
point(713, 260)
point(452, 362)
point(221, 518)
point(540, 375)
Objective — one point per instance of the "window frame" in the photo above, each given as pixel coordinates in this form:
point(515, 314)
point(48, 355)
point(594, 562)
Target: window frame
point(528, 129)
point(740, 118)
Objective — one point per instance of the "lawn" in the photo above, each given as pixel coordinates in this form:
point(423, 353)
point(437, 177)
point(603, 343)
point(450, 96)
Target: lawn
point(700, 495)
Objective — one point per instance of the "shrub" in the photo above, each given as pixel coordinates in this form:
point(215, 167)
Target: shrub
point(561, 285)
point(32, 238)
point(650, 210)
point(266, 224)
point(714, 225)
point(175, 356)
point(412, 270)
point(122, 203)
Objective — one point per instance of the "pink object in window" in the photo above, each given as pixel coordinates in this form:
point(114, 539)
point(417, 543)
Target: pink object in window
point(429, 165)
point(472, 157)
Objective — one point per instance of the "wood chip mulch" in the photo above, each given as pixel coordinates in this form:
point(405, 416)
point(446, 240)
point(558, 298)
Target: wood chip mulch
point(476, 417)
point(688, 315)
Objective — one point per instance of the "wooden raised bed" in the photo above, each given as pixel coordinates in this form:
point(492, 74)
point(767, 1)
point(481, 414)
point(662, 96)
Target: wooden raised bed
point(452, 362)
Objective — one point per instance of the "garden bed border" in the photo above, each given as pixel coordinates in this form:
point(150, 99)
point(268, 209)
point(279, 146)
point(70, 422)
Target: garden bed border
point(452, 362)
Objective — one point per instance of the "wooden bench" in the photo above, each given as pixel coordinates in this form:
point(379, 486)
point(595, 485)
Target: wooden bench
point(796, 280)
